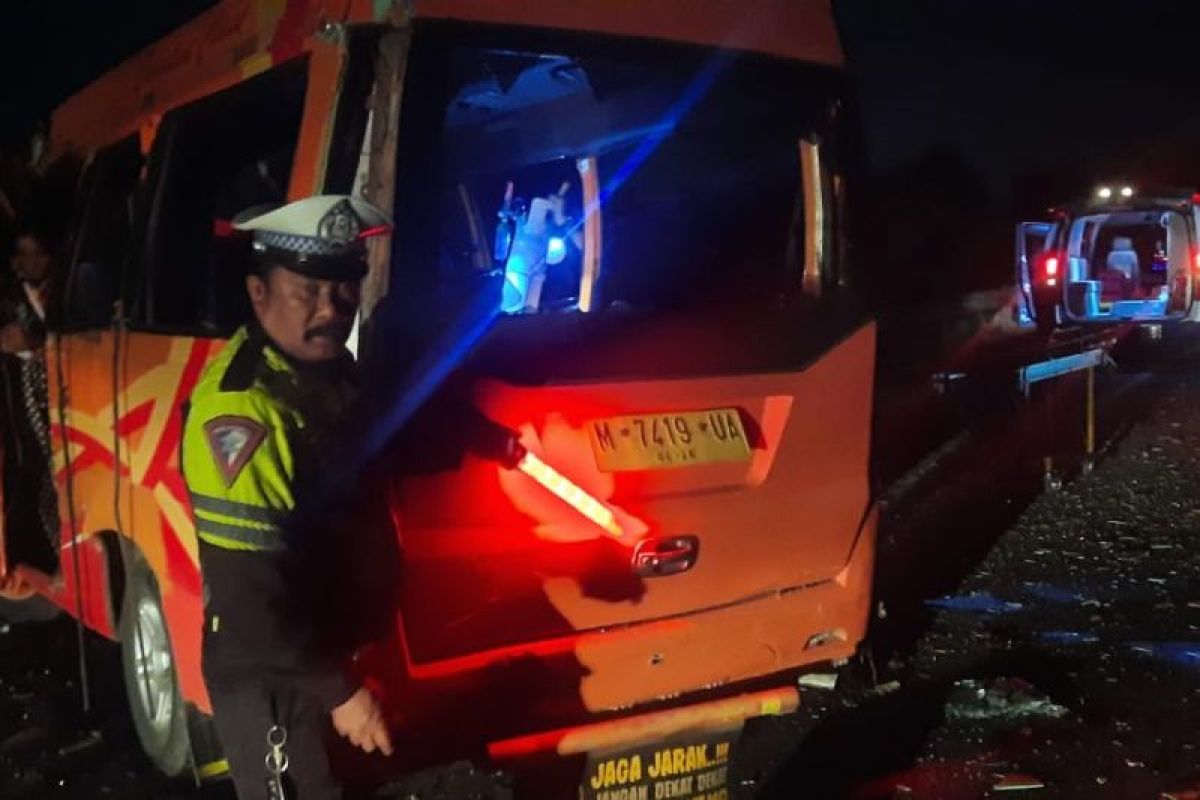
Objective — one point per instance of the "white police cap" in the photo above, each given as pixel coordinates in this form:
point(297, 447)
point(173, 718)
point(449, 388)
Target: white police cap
point(322, 236)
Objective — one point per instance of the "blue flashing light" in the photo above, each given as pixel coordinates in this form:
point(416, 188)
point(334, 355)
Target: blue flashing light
point(556, 250)
point(666, 126)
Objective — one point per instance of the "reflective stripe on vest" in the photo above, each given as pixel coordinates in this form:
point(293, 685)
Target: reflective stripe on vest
point(235, 537)
point(202, 503)
point(237, 526)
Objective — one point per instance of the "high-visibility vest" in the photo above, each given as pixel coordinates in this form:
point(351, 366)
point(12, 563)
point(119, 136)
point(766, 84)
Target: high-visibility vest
point(245, 422)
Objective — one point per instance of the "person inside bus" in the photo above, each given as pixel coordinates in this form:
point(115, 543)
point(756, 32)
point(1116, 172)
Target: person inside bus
point(264, 429)
point(28, 482)
point(23, 305)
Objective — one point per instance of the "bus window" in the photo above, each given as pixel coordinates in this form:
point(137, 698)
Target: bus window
point(696, 153)
point(215, 158)
point(104, 237)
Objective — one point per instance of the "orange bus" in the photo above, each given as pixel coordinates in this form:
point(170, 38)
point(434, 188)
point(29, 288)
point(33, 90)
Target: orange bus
point(648, 199)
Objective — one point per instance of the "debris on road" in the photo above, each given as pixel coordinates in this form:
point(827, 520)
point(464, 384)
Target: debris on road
point(1013, 782)
point(1068, 637)
point(999, 699)
point(90, 740)
point(1054, 594)
point(957, 778)
point(1186, 654)
point(818, 680)
point(976, 602)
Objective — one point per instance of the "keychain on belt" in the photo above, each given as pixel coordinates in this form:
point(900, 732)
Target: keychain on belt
point(277, 761)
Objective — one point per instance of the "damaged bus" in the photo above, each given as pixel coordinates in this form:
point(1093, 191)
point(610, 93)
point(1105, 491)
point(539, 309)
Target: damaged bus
point(620, 235)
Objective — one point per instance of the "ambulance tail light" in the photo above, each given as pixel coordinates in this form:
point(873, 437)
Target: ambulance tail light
point(1050, 265)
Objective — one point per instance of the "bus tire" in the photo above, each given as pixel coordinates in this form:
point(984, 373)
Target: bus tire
point(148, 663)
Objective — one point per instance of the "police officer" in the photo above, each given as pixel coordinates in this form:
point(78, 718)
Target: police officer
point(261, 428)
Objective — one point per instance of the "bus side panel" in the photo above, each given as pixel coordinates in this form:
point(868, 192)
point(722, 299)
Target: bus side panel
point(158, 374)
point(79, 378)
point(151, 510)
point(226, 44)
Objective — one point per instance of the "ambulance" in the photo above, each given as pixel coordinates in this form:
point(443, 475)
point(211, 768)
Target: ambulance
point(1120, 256)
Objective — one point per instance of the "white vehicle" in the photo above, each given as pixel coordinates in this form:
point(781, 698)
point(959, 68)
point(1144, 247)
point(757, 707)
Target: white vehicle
point(1120, 257)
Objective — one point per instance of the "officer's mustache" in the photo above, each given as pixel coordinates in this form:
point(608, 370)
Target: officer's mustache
point(330, 330)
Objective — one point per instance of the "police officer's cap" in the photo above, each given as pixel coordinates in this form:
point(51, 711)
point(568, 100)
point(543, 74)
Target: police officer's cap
point(321, 237)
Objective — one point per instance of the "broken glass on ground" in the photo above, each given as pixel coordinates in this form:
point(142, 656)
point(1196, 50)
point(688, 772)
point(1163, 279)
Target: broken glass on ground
point(999, 699)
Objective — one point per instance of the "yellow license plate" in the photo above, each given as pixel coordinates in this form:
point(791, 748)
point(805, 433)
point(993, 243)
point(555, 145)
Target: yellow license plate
point(663, 441)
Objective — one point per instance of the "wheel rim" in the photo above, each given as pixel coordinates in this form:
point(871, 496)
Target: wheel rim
point(152, 666)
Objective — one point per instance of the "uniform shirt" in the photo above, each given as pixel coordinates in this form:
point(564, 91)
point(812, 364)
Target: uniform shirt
point(260, 430)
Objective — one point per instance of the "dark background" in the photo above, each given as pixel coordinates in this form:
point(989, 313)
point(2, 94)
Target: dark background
point(976, 113)
point(980, 113)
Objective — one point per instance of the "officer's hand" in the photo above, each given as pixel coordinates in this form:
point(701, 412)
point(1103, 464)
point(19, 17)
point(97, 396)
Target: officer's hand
point(360, 720)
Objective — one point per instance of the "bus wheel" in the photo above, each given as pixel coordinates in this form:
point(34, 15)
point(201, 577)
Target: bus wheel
point(158, 711)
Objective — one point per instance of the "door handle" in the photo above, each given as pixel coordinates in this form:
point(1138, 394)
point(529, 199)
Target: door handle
point(654, 558)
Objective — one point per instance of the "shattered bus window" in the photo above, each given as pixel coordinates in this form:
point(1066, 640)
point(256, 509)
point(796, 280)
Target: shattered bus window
point(697, 195)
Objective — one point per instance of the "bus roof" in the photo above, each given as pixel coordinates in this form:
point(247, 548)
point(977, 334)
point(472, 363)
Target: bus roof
point(798, 29)
point(238, 38)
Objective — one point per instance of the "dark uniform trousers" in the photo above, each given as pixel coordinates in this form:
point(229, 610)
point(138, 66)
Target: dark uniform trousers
point(244, 714)
point(257, 679)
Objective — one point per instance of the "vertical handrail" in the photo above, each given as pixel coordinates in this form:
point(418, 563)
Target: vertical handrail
point(593, 249)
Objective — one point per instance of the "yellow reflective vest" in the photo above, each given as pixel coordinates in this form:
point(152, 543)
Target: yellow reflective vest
point(258, 431)
point(238, 440)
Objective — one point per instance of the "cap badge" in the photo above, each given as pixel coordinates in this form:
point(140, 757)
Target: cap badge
point(340, 224)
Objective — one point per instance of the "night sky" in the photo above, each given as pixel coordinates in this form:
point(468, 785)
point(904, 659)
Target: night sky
point(53, 48)
point(1020, 85)
point(1010, 85)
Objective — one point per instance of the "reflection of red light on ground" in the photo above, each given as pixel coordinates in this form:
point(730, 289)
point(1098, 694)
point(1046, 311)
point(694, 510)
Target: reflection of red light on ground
point(571, 494)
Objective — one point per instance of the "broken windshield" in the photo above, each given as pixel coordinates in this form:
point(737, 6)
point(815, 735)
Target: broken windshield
point(598, 174)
